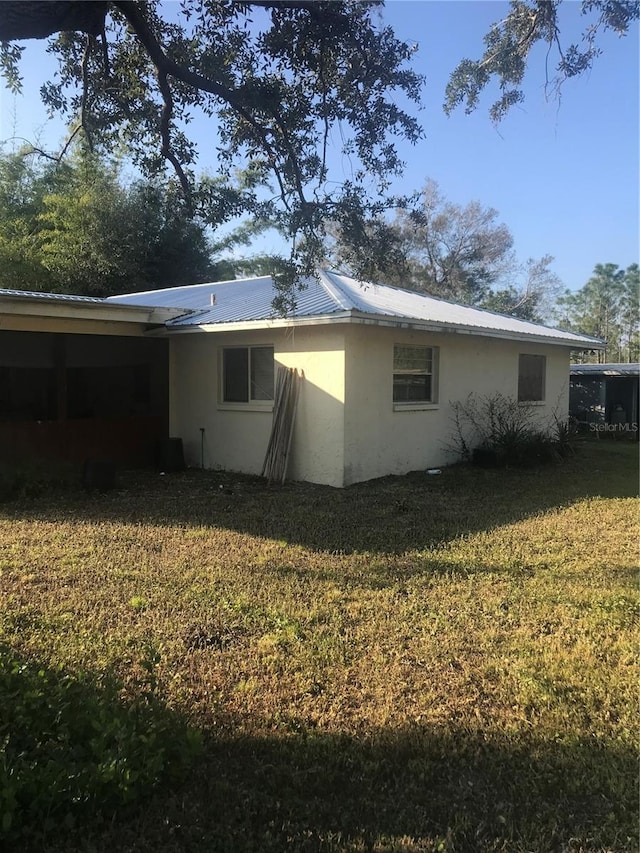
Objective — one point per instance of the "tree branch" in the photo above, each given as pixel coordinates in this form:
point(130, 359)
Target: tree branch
point(38, 19)
point(526, 38)
point(165, 133)
point(56, 158)
point(89, 40)
point(165, 67)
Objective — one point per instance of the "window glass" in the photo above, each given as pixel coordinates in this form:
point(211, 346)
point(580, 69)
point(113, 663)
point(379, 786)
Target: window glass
point(261, 373)
point(235, 369)
point(413, 374)
point(247, 374)
point(531, 376)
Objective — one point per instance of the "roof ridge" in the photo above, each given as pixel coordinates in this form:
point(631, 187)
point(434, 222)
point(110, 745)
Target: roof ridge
point(325, 277)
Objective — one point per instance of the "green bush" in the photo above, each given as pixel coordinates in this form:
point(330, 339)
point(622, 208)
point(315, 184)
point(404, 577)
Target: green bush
point(70, 751)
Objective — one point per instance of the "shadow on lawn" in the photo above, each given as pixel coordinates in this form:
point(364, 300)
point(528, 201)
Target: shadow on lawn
point(83, 770)
point(74, 753)
point(476, 790)
point(408, 790)
point(388, 516)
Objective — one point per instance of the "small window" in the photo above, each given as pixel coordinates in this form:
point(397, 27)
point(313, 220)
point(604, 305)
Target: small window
point(247, 374)
point(414, 374)
point(531, 378)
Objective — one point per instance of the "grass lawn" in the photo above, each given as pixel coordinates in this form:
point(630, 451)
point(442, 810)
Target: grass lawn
point(200, 663)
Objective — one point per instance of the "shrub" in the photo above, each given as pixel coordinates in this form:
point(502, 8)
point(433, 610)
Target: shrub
point(497, 430)
point(71, 750)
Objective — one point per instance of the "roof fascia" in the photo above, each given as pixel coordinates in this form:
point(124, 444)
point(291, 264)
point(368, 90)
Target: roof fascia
point(481, 331)
point(35, 306)
point(360, 318)
point(256, 325)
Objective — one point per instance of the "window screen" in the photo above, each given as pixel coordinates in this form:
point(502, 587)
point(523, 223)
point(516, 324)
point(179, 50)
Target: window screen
point(413, 374)
point(247, 374)
point(531, 376)
point(261, 373)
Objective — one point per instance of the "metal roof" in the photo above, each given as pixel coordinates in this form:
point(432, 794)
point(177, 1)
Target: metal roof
point(60, 304)
point(234, 301)
point(605, 369)
point(330, 295)
point(47, 297)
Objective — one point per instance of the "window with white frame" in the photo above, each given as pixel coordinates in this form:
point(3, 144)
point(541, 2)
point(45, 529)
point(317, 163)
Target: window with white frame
point(531, 378)
point(414, 374)
point(247, 374)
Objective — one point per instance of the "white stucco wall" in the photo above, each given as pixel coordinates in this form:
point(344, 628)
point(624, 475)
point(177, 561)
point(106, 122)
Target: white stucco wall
point(381, 440)
point(236, 436)
point(317, 450)
point(347, 429)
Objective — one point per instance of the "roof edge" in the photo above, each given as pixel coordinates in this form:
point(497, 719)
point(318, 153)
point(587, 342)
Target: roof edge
point(352, 316)
point(58, 305)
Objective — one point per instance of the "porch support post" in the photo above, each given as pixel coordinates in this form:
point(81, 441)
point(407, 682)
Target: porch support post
point(60, 361)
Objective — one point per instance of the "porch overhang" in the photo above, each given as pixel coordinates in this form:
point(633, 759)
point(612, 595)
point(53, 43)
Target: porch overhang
point(64, 307)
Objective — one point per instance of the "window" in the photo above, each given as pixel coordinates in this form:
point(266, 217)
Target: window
point(414, 374)
point(247, 374)
point(531, 376)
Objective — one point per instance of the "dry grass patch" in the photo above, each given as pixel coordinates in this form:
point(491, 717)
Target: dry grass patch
point(420, 663)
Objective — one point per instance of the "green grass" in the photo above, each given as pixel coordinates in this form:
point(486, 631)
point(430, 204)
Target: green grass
point(421, 663)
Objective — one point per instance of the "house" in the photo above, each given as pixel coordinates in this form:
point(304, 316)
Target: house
point(604, 397)
point(380, 367)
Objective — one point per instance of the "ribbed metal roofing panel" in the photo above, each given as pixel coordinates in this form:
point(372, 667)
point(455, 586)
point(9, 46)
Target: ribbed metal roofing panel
point(197, 297)
point(235, 301)
point(605, 369)
point(394, 302)
point(56, 297)
point(251, 300)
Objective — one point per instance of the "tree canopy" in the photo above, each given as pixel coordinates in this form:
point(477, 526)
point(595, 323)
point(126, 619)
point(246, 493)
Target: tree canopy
point(81, 228)
point(281, 81)
point(452, 251)
point(284, 81)
point(607, 306)
point(510, 42)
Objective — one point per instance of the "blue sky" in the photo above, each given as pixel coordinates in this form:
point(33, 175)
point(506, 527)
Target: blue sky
point(564, 176)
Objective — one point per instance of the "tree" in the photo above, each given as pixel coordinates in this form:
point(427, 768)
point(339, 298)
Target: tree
point(283, 80)
point(607, 306)
point(532, 296)
point(456, 252)
point(80, 229)
point(509, 44)
point(447, 250)
point(22, 187)
point(630, 314)
point(280, 81)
